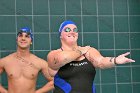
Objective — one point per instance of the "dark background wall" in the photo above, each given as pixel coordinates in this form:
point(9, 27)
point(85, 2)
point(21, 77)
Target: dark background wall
point(111, 26)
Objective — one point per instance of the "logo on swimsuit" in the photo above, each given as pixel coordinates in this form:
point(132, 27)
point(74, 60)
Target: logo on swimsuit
point(78, 64)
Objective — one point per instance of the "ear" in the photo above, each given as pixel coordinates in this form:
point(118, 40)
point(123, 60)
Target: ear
point(60, 37)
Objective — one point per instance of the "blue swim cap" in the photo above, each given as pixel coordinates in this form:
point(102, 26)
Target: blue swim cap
point(64, 24)
point(26, 30)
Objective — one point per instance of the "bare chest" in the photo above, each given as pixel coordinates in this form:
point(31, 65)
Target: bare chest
point(21, 69)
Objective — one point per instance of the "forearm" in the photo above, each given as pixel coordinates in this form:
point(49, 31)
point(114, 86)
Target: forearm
point(46, 88)
point(106, 62)
point(98, 60)
point(68, 56)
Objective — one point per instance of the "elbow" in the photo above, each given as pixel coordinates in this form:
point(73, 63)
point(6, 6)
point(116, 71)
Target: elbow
point(101, 66)
point(52, 83)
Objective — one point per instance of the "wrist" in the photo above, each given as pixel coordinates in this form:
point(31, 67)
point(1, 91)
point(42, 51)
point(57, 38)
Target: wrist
point(113, 60)
point(80, 52)
point(77, 51)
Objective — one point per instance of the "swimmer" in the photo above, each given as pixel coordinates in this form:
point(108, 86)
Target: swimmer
point(74, 66)
point(22, 67)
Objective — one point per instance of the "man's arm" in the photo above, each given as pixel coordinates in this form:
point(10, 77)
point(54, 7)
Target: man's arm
point(46, 88)
point(50, 85)
point(2, 89)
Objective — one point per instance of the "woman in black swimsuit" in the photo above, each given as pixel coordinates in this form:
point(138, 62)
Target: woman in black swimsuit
point(74, 66)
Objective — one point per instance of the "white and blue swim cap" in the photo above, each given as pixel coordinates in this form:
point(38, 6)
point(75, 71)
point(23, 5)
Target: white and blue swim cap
point(26, 30)
point(67, 22)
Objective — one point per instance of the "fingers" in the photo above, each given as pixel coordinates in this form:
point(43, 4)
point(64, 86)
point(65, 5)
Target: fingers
point(130, 60)
point(88, 48)
point(126, 54)
point(84, 49)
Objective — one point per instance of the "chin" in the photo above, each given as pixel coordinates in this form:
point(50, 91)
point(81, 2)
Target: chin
point(72, 42)
point(24, 47)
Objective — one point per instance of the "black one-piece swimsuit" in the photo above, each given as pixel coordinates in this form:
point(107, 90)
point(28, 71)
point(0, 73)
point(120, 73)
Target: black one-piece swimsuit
point(75, 77)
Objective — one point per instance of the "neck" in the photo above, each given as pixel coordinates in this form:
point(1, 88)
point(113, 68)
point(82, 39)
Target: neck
point(68, 47)
point(23, 52)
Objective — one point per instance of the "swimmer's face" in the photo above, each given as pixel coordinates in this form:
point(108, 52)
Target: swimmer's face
point(69, 33)
point(24, 40)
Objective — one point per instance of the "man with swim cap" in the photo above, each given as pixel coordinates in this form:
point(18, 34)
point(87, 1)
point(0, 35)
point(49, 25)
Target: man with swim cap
point(73, 66)
point(22, 67)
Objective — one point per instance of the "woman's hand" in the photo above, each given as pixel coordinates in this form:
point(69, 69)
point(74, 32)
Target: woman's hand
point(122, 59)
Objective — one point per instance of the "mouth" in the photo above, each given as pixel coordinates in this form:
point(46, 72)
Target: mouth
point(71, 36)
point(23, 42)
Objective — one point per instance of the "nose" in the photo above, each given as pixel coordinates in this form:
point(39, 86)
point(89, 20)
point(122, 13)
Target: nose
point(23, 37)
point(72, 32)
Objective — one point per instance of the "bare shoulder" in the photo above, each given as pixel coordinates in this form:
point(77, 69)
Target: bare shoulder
point(37, 59)
point(53, 57)
point(53, 53)
point(92, 49)
point(7, 58)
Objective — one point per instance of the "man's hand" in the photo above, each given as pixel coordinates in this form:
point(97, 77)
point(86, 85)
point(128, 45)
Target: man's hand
point(3, 90)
